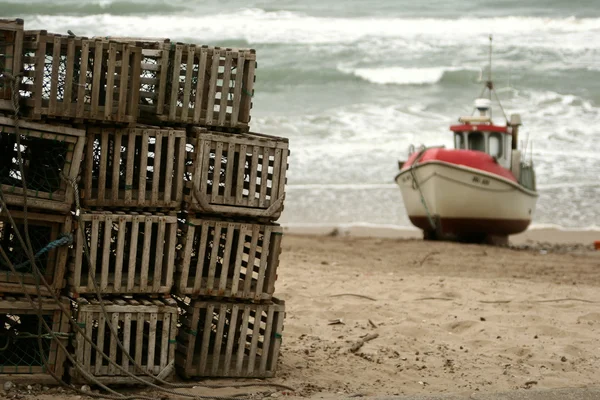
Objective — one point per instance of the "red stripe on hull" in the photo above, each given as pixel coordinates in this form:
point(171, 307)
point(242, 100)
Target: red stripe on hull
point(469, 226)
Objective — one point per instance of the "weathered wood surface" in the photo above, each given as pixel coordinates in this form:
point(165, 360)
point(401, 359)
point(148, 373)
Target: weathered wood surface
point(228, 259)
point(22, 360)
point(129, 253)
point(147, 329)
point(209, 86)
point(134, 168)
point(228, 339)
point(11, 49)
point(80, 78)
point(47, 152)
point(43, 229)
point(236, 174)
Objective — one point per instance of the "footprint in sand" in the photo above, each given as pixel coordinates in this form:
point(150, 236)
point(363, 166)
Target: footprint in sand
point(460, 326)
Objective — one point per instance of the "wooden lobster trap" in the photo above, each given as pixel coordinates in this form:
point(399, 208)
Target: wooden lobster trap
point(22, 358)
point(50, 236)
point(138, 167)
point(146, 328)
point(236, 174)
point(128, 253)
point(228, 259)
point(208, 86)
point(227, 339)
point(50, 154)
point(11, 48)
point(79, 78)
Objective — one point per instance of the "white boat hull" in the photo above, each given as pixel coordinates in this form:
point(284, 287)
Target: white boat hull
point(464, 201)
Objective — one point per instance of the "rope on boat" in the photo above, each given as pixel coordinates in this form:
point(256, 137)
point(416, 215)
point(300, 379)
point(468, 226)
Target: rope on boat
point(418, 187)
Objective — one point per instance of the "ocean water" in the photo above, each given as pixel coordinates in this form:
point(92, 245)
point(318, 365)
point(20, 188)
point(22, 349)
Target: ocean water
point(353, 84)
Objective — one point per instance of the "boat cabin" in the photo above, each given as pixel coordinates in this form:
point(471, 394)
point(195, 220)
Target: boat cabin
point(480, 134)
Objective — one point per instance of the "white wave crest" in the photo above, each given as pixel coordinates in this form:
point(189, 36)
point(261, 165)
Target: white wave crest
point(259, 26)
point(400, 75)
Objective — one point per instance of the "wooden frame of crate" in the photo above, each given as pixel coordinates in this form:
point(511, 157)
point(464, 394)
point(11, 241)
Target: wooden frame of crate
point(48, 151)
point(21, 361)
point(43, 229)
point(124, 258)
point(147, 329)
point(228, 339)
point(63, 78)
point(11, 48)
point(138, 167)
point(208, 86)
point(226, 258)
point(252, 174)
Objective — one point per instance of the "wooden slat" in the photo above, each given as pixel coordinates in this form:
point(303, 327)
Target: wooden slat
point(126, 339)
point(237, 92)
point(146, 252)
point(239, 190)
point(110, 81)
point(93, 251)
point(238, 259)
point(113, 344)
point(228, 198)
point(129, 168)
point(157, 170)
point(205, 340)
point(252, 201)
point(251, 260)
point(187, 89)
point(175, 83)
point(216, 351)
point(201, 256)
point(123, 83)
point(227, 366)
point(139, 334)
point(225, 88)
point(133, 98)
point(276, 177)
point(120, 254)
point(40, 56)
point(83, 67)
point(70, 67)
point(254, 341)
point(217, 172)
point(152, 342)
point(212, 87)
point(242, 343)
point(169, 167)
point(162, 85)
point(216, 237)
point(78, 259)
point(104, 154)
point(264, 257)
point(96, 78)
point(116, 160)
point(226, 257)
point(187, 257)
point(107, 223)
point(143, 167)
point(135, 226)
point(267, 341)
point(54, 76)
point(198, 102)
point(264, 174)
point(158, 256)
point(164, 340)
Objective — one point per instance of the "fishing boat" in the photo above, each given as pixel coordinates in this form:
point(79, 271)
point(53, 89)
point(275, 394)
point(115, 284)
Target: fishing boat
point(482, 190)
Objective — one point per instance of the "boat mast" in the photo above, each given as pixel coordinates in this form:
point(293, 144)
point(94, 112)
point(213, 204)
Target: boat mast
point(489, 84)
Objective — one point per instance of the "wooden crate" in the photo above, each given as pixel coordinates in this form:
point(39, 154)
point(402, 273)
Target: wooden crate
point(207, 86)
point(80, 78)
point(47, 151)
point(134, 167)
point(228, 259)
point(147, 328)
point(22, 361)
point(226, 339)
point(11, 48)
point(129, 253)
point(251, 174)
point(43, 229)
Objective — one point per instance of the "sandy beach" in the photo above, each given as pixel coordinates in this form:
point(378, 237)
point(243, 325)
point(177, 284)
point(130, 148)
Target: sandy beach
point(449, 318)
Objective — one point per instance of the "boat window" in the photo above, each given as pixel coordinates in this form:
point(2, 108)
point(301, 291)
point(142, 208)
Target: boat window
point(495, 144)
point(476, 141)
point(459, 142)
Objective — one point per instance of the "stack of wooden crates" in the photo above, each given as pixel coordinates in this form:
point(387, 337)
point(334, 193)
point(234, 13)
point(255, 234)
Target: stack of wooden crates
point(178, 201)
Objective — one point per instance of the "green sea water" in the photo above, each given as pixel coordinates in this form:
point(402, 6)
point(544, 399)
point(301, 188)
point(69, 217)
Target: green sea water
point(353, 84)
